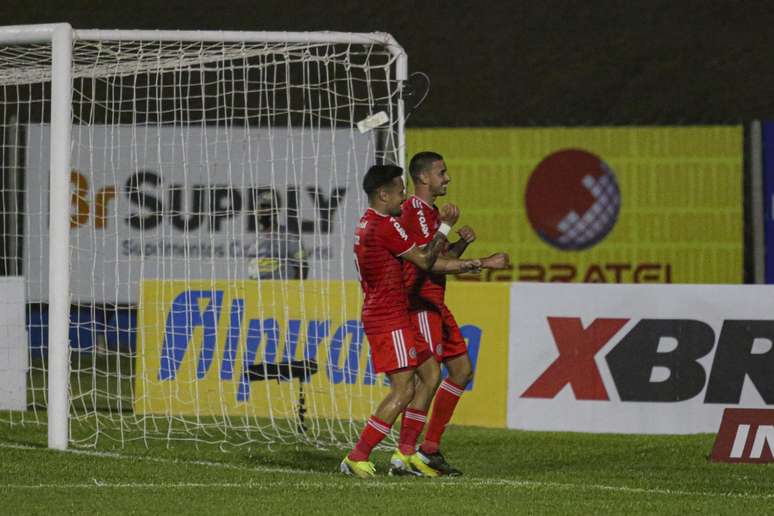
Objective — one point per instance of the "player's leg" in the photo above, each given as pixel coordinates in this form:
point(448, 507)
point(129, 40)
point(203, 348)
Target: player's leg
point(429, 369)
point(428, 328)
point(379, 424)
point(404, 460)
point(457, 361)
point(428, 375)
point(395, 355)
point(427, 379)
point(460, 369)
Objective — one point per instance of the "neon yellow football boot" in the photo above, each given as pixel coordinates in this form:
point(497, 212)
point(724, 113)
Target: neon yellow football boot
point(409, 465)
point(360, 469)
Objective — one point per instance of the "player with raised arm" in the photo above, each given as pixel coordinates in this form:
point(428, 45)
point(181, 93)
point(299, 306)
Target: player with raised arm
point(381, 246)
point(433, 320)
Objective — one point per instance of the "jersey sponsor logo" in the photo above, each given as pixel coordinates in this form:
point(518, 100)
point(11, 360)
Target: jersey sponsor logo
point(399, 228)
point(745, 435)
point(423, 223)
point(572, 199)
point(658, 360)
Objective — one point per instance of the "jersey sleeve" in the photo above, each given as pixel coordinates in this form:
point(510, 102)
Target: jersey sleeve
point(416, 222)
point(395, 238)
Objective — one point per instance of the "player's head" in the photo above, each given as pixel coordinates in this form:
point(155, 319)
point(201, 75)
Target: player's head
point(428, 172)
point(385, 189)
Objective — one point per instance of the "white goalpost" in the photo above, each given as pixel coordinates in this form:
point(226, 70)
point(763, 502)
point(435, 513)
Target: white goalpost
point(192, 197)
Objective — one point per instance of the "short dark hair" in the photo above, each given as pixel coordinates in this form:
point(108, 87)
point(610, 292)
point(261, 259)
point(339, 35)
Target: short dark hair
point(421, 162)
point(379, 176)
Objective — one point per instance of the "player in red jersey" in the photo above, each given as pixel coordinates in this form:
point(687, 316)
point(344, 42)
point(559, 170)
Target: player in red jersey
point(432, 319)
point(381, 246)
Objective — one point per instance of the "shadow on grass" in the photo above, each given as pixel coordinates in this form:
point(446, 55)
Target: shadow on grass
point(309, 459)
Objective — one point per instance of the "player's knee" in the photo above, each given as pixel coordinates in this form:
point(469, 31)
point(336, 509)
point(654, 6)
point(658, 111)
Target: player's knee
point(469, 378)
point(405, 394)
point(462, 374)
point(432, 378)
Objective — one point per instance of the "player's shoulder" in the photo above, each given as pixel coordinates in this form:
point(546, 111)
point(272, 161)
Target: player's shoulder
point(372, 218)
point(413, 203)
point(374, 222)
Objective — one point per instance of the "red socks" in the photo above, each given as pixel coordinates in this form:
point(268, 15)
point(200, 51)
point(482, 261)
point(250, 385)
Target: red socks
point(445, 401)
point(411, 426)
point(373, 433)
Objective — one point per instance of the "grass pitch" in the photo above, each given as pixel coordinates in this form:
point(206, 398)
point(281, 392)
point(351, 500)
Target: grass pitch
point(506, 472)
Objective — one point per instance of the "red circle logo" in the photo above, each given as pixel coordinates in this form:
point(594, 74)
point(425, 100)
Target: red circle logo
point(572, 199)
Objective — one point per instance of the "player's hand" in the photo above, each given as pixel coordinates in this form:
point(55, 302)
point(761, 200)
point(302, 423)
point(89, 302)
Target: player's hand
point(471, 265)
point(497, 261)
point(467, 234)
point(449, 213)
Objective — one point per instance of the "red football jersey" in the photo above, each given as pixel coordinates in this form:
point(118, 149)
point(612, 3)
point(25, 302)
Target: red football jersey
point(380, 240)
point(425, 289)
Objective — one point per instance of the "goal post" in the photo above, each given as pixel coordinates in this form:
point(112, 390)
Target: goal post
point(167, 153)
point(60, 37)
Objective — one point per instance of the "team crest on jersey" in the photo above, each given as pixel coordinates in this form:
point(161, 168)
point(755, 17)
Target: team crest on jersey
point(413, 353)
point(439, 350)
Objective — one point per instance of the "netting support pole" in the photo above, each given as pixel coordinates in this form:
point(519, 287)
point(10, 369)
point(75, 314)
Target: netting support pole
point(401, 74)
point(59, 236)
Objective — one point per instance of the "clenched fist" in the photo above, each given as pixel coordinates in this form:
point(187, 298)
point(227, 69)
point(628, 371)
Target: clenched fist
point(467, 234)
point(449, 214)
point(497, 261)
point(471, 265)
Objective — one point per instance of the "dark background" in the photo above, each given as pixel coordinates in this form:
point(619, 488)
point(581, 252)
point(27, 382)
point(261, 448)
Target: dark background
point(522, 63)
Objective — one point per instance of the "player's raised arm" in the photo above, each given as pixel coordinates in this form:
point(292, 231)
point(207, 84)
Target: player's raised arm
point(467, 236)
point(425, 257)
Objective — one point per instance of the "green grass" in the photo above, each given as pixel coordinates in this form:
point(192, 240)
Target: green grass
point(506, 472)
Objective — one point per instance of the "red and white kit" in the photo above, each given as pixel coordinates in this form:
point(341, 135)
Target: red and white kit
point(380, 240)
point(429, 314)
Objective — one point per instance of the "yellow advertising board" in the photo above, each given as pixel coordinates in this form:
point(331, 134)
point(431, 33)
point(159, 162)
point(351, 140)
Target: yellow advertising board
point(196, 340)
point(608, 204)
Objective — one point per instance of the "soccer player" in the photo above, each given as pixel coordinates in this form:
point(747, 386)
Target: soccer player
point(381, 246)
point(433, 320)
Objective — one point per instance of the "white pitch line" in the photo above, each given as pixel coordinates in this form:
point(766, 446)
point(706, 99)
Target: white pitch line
point(164, 460)
point(340, 482)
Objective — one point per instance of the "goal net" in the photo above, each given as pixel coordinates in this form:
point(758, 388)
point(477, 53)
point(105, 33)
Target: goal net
point(214, 185)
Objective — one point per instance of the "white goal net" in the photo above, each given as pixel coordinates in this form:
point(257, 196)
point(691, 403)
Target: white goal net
point(214, 187)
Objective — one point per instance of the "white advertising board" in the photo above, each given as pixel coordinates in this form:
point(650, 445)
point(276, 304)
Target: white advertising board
point(180, 202)
point(637, 358)
point(13, 345)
